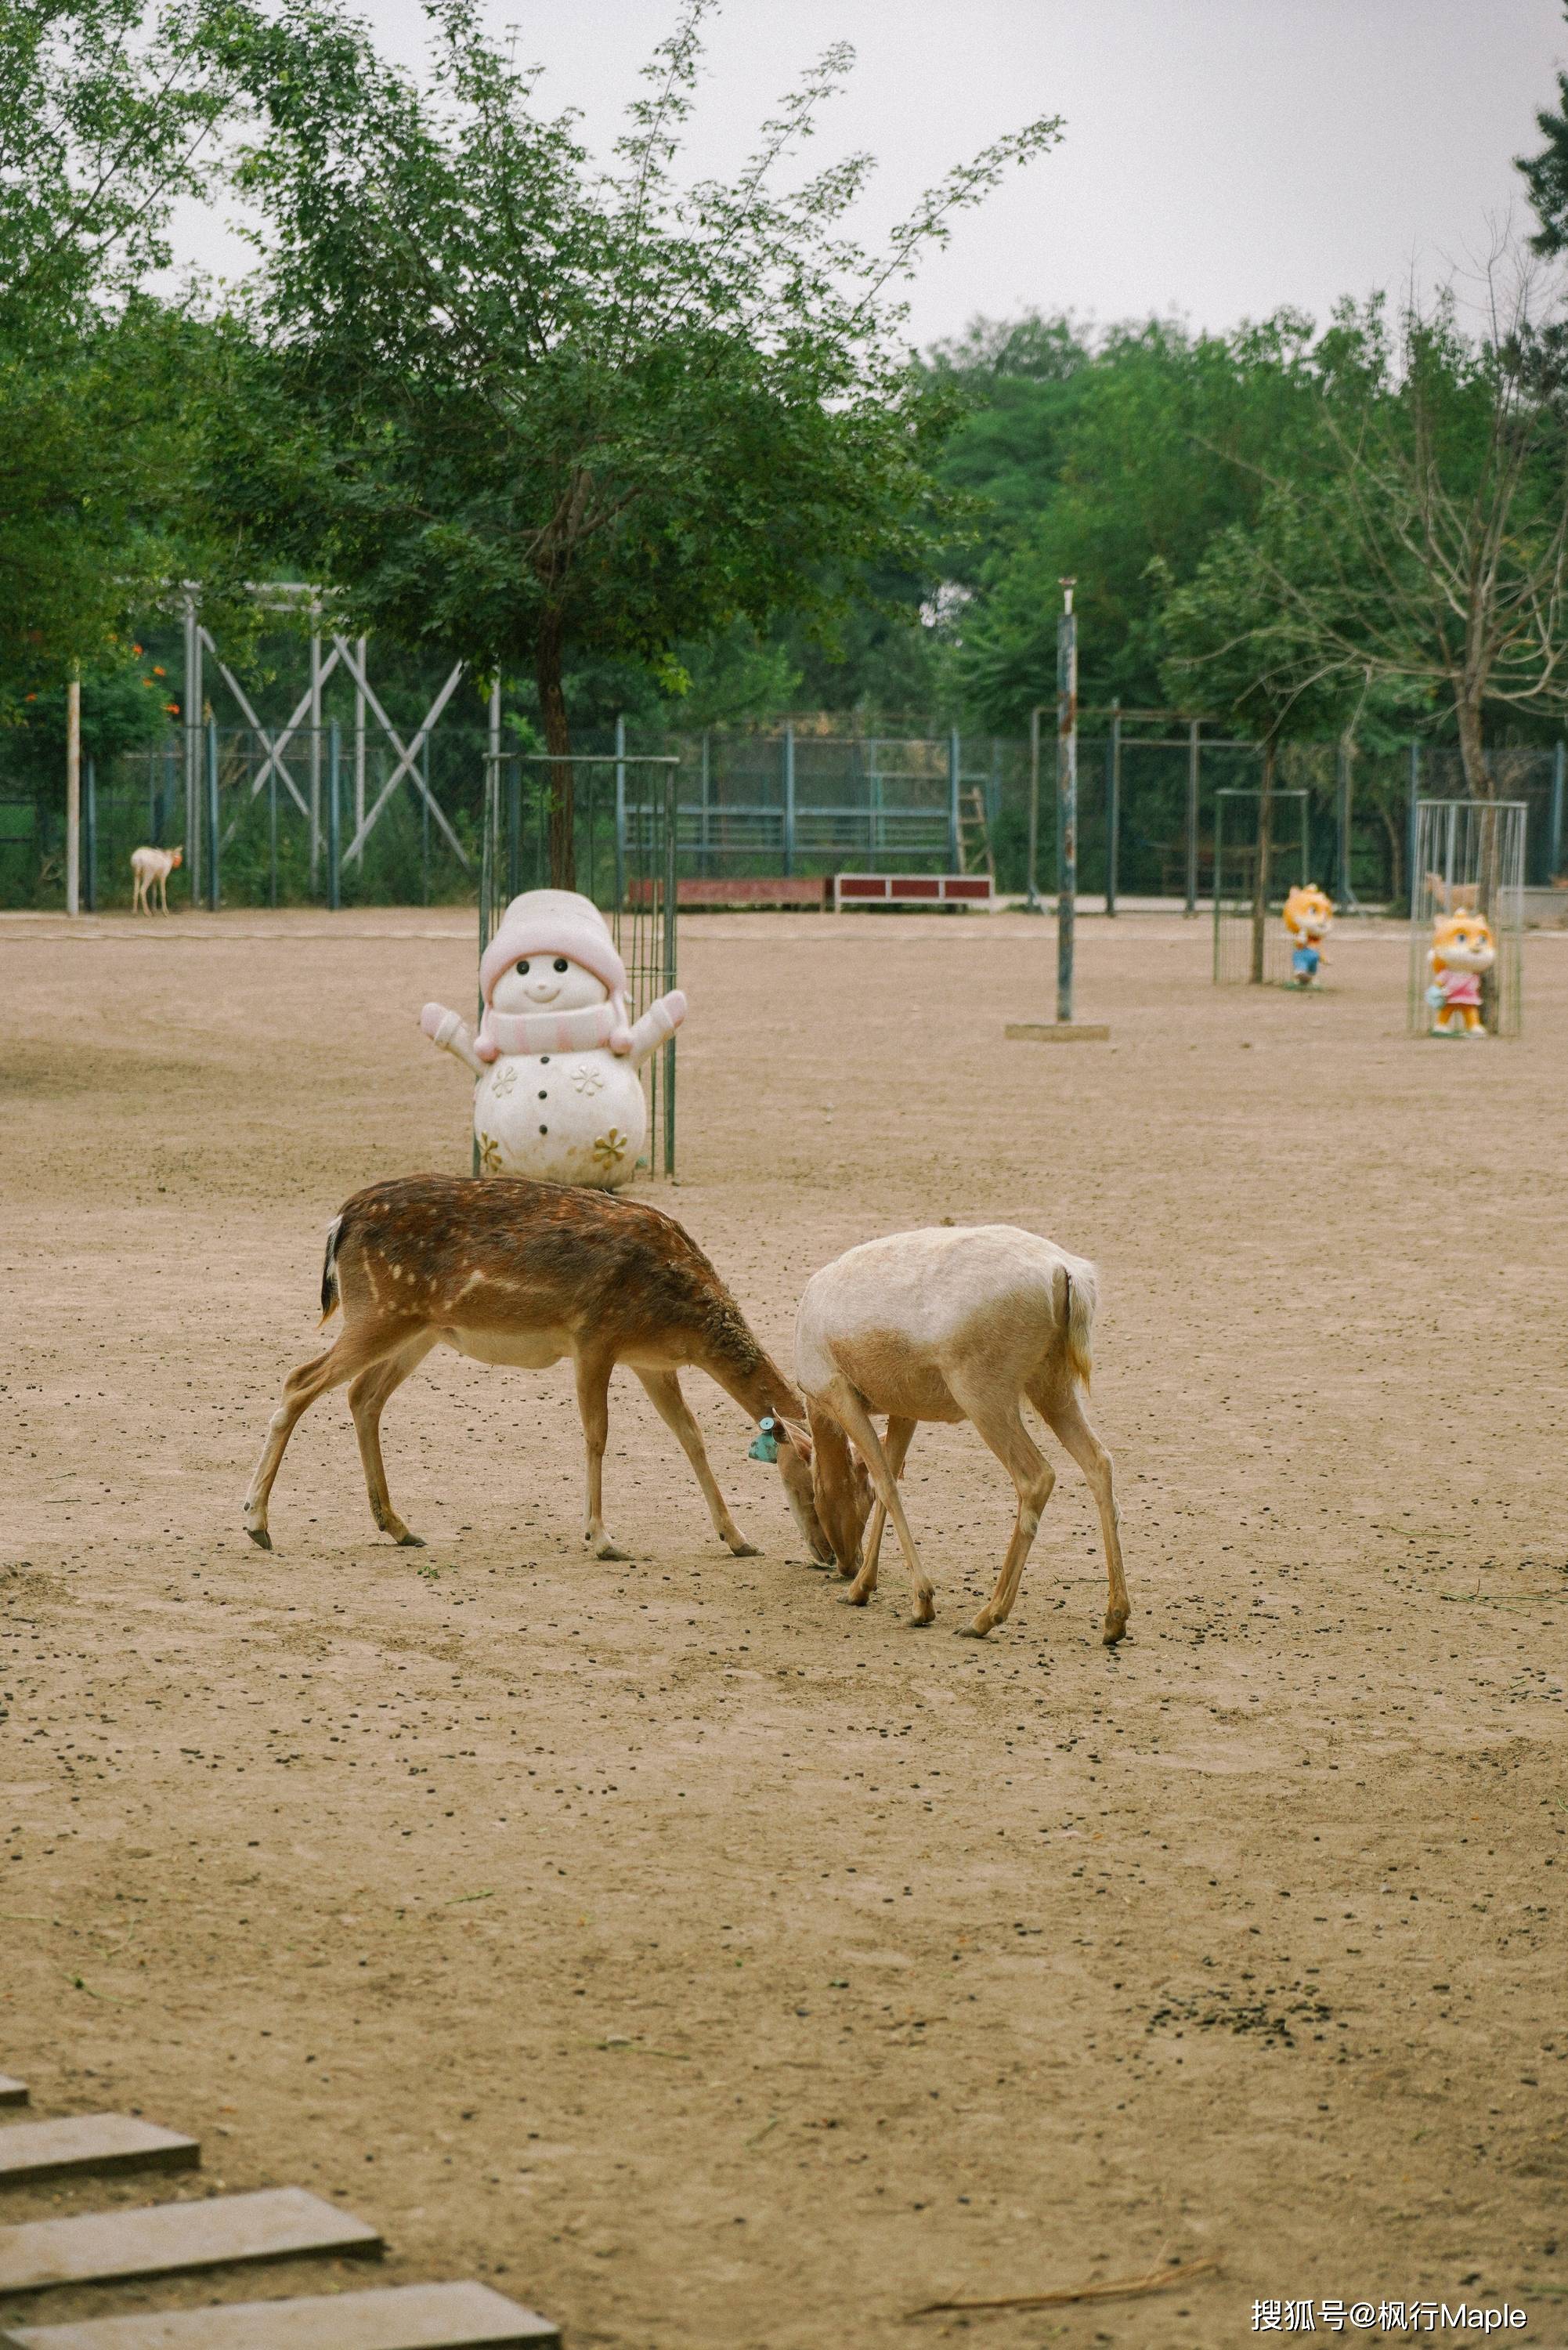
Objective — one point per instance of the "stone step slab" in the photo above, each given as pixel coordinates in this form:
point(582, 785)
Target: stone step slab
point(167, 2239)
point(91, 2145)
point(397, 2317)
point(12, 2093)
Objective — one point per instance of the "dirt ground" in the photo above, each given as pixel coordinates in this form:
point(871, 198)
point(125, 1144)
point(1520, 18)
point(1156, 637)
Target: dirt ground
point(714, 1967)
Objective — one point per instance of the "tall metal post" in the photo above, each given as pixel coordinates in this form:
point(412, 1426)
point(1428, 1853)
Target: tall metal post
point(193, 698)
point(492, 772)
point(315, 750)
point(1411, 827)
point(620, 812)
point(213, 878)
point(789, 799)
point(90, 836)
point(1192, 726)
point(1559, 758)
point(955, 783)
point(1032, 900)
point(1066, 798)
point(360, 745)
point(1342, 821)
point(707, 859)
point(73, 795)
point(425, 825)
point(271, 826)
point(671, 901)
point(334, 817)
point(1114, 805)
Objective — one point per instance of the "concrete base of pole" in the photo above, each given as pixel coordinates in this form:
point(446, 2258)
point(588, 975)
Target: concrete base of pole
point(1056, 1032)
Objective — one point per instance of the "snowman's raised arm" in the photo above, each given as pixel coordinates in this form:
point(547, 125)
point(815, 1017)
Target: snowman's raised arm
point(451, 1033)
point(656, 1026)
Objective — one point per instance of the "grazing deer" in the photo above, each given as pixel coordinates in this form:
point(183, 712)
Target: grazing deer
point(509, 1270)
point(150, 870)
point(963, 1322)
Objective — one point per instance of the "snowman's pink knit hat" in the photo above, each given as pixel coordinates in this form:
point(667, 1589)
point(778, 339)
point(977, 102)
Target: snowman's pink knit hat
point(555, 923)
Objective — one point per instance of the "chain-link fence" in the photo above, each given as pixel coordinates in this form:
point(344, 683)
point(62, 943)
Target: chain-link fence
point(309, 816)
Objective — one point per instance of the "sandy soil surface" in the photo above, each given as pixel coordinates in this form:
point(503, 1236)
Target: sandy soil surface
point(711, 1965)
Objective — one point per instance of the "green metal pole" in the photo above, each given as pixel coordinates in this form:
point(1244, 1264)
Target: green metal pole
point(213, 879)
point(671, 895)
point(1067, 801)
point(334, 817)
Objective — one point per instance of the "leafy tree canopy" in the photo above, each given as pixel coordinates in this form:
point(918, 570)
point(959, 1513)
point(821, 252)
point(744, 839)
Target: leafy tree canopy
point(533, 409)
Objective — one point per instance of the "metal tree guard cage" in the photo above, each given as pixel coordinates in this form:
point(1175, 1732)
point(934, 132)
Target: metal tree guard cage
point(1471, 852)
point(625, 840)
point(1238, 815)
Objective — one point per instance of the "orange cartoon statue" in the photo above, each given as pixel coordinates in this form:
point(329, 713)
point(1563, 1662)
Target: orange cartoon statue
point(1309, 910)
point(1462, 951)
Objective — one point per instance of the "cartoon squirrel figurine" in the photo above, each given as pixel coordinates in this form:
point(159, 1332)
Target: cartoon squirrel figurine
point(1309, 910)
point(1462, 950)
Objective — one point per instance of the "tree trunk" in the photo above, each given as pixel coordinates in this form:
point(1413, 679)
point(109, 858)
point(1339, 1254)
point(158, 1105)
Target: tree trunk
point(1397, 892)
point(548, 656)
point(1477, 781)
point(1261, 863)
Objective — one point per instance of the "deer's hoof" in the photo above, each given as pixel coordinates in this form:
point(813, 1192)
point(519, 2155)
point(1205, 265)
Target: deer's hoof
point(918, 1622)
point(260, 1537)
point(741, 1548)
point(406, 1541)
point(853, 1598)
point(972, 1632)
point(1116, 1625)
point(605, 1548)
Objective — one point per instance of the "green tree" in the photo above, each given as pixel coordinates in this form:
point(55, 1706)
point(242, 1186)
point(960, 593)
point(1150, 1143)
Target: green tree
point(105, 109)
point(534, 411)
point(1106, 456)
point(1438, 514)
point(1236, 651)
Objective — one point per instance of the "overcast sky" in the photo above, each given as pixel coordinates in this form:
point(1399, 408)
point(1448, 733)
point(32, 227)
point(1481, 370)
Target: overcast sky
point(1219, 158)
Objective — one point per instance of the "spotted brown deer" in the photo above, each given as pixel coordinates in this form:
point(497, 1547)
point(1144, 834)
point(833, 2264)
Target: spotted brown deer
point(953, 1323)
point(505, 1270)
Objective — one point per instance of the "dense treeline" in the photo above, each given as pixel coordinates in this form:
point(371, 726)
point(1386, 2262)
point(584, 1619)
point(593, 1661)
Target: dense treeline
point(648, 448)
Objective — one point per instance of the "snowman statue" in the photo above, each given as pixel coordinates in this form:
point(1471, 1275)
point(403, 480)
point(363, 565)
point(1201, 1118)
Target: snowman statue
point(556, 1055)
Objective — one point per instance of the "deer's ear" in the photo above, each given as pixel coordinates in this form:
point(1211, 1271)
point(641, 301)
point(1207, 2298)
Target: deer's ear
point(797, 1438)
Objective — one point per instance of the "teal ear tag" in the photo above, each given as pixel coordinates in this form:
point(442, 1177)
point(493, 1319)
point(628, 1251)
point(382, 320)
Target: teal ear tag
point(764, 1444)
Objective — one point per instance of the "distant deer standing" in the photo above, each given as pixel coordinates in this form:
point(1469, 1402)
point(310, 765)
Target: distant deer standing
point(963, 1322)
point(150, 870)
point(505, 1270)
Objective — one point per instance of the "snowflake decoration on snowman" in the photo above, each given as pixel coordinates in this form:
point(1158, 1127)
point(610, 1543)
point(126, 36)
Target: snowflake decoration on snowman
point(557, 1053)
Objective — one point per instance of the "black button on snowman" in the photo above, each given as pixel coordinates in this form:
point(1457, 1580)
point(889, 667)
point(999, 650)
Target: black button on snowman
point(556, 1032)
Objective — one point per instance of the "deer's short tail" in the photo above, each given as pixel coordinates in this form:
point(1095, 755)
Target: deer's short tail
point(329, 1299)
point(1075, 1315)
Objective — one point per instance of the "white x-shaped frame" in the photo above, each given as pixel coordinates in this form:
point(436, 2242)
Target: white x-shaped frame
point(277, 744)
point(407, 754)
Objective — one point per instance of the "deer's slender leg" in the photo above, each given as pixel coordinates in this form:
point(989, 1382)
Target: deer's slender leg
point(368, 1399)
point(593, 1405)
point(664, 1390)
point(354, 1352)
point(1071, 1423)
point(998, 1422)
point(896, 1442)
point(848, 1407)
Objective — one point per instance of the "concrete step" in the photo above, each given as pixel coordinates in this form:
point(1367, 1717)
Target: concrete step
point(399, 2317)
point(167, 2239)
point(91, 2145)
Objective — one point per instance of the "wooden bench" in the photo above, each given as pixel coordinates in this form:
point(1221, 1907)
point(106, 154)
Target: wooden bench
point(850, 889)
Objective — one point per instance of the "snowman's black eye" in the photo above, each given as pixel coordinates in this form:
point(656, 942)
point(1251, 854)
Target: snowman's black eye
point(523, 969)
point(561, 962)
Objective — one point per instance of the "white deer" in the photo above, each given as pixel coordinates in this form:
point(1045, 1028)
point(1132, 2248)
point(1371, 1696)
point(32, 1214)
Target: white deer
point(150, 872)
point(961, 1323)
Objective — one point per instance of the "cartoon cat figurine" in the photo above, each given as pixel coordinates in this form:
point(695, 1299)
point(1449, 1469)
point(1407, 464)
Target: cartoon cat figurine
point(1309, 910)
point(1462, 951)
